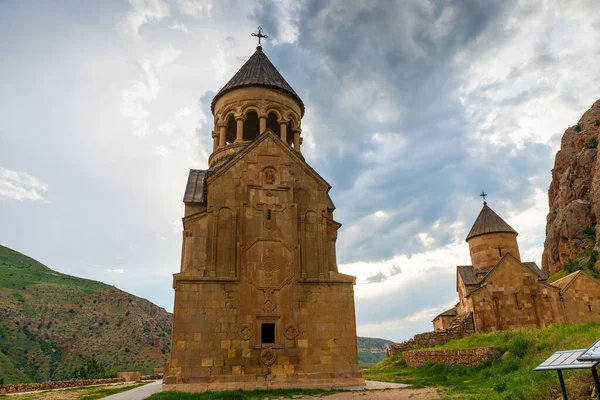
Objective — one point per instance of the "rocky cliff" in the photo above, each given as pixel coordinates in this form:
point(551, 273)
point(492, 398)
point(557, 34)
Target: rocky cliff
point(572, 234)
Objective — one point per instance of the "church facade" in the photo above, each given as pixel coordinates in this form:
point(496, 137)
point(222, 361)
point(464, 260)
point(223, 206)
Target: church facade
point(501, 292)
point(259, 301)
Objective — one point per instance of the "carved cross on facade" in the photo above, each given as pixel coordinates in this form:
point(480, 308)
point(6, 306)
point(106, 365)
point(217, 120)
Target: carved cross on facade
point(260, 36)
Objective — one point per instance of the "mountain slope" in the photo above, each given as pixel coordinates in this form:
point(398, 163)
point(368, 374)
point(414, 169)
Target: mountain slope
point(371, 350)
point(51, 323)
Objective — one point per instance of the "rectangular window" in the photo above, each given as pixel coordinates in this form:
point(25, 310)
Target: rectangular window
point(267, 333)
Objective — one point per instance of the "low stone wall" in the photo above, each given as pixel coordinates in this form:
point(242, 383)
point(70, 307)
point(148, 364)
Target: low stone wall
point(460, 327)
point(130, 376)
point(465, 357)
point(152, 377)
point(29, 387)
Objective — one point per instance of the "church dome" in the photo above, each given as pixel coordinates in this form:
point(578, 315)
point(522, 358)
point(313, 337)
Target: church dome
point(489, 222)
point(258, 71)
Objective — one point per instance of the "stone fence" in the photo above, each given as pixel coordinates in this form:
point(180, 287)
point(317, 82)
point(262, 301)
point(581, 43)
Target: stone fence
point(460, 327)
point(29, 387)
point(465, 357)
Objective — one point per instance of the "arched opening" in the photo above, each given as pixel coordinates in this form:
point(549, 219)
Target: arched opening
point(273, 124)
point(251, 126)
point(231, 130)
point(290, 134)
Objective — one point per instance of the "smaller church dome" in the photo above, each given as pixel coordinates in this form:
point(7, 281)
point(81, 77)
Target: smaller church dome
point(258, 71)
point(489, 222)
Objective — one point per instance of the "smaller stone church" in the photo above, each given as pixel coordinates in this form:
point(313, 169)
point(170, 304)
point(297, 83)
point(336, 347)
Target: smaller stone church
point(499, 291)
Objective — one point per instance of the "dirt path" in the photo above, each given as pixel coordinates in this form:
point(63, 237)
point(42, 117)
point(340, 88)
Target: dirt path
point(391, 394)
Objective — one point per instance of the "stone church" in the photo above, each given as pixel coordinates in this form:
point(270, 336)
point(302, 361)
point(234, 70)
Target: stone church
point(259, 301)
point(501, 292)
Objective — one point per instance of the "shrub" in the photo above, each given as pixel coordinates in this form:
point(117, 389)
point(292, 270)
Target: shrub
point(592, 143)
point(499, 386)
point(93, 369)
point(578, 127)
point(572, 266)
point(520, 346)
point(510, 365)
point(598, 122)
point(590, 232)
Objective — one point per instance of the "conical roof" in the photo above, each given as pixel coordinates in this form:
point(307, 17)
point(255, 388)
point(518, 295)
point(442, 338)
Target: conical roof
point(489, 222)
point(258, 71)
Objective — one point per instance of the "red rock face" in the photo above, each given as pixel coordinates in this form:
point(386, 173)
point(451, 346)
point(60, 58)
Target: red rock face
point(574, 195)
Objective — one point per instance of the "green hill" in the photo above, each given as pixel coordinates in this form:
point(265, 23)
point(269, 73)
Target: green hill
point(52, 323)
point(508, 377)
point(8, 372)
point(371, 350)
point(17, 271)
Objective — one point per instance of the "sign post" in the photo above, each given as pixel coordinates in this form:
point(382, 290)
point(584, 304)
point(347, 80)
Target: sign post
point(570, 359)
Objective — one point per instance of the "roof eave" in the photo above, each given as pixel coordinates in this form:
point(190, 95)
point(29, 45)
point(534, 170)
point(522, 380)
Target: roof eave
point(292, 95)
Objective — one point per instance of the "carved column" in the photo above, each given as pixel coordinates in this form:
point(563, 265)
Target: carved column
point(303, 273)
point(262, 120)
point(234, 246)
point(240, 129)
point(212, 243)
point(222, 132)
point(215, 136)
point(283, 131)
point(297, 140)
point(323, 259)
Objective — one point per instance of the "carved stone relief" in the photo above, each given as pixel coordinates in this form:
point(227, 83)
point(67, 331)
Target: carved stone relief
point(268, 356)
point(245, 331)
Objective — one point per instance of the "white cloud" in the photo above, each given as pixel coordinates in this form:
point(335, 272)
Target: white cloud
point(115, 270)
point(534, 83)
point(182, 112)
point(145, 89)
point(161, 151)
point(20, 186)
point(142, 90)
point(177, 226)
point(195, 8)
point(287, 14)
point(180, 27)
point(142, 12)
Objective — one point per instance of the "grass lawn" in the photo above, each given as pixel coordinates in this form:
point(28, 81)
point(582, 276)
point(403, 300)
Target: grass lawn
point(509, 377)
point(243, 394)
point(79, 393)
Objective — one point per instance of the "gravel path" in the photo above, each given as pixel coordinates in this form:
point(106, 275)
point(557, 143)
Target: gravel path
point(388, 394)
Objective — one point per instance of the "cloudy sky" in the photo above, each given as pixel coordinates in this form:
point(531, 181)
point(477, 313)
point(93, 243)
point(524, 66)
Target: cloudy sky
point(412, 107)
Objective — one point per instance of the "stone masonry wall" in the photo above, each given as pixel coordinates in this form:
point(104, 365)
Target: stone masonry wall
point(460, 327)
point(465, 357)
point(29, 387)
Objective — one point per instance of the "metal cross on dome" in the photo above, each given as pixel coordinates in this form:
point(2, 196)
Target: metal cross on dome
point(260, 36)
point(484, 195)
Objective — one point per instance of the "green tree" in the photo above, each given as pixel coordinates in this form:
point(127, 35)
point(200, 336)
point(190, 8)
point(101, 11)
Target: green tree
point(92, 369)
